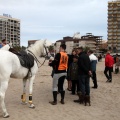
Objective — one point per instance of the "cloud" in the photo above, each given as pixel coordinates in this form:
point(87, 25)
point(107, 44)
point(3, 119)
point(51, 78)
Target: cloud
point(54, 19)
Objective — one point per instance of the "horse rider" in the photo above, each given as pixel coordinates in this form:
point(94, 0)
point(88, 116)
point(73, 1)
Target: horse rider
point(60, 62)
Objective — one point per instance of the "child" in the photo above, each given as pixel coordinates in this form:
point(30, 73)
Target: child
point(73, 74)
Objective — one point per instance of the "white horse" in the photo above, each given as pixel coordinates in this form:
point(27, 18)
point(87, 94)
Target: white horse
point(10, 67)
point(7, 47)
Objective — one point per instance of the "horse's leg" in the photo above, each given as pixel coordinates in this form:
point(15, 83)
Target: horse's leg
point(3, 88)
point(31, 80)
point(23, 96)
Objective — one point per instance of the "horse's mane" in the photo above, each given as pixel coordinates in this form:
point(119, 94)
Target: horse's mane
point(37, 48)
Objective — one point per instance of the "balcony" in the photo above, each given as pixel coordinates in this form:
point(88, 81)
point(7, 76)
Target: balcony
point(91, 42)
point(110, 12)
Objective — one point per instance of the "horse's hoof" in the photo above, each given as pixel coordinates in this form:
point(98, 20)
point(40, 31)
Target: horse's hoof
point(23, 103)
point(6, 115)
point(32, 106)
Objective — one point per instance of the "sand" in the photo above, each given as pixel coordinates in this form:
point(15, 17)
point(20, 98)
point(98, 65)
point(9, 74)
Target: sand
point(105, 101)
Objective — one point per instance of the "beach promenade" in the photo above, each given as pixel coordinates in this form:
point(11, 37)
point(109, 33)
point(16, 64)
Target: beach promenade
point(105, 101)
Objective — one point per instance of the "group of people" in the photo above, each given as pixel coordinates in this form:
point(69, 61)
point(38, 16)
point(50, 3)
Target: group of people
point(77, 68)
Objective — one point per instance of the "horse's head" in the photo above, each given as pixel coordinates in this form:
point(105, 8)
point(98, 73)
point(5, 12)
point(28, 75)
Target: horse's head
point(40, 48)
point(46, 46)
point(47, 43)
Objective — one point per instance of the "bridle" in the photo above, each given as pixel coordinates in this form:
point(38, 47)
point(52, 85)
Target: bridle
point(37, 61)
point(10, 46)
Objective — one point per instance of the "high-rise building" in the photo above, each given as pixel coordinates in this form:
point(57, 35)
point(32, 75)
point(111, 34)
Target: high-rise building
point(10, 29)
point(114, 25)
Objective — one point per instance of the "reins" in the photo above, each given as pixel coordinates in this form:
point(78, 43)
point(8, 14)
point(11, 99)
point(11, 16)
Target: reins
point(37, 59)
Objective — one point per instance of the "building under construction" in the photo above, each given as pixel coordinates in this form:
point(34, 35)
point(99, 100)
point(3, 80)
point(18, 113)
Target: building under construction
point(88, 40)
point(10, 29)
point(114, 25)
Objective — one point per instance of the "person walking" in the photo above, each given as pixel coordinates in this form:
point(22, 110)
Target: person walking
point(93, 62)
point(60, 62)
point(73, 74)
point(84, 73)
point(109, 62)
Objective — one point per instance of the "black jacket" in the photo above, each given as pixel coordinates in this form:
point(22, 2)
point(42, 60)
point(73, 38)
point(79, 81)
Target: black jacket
point(70, 59)
point(83, 64)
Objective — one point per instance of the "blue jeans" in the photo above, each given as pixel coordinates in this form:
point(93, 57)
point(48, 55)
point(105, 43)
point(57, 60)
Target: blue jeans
point(84, 84)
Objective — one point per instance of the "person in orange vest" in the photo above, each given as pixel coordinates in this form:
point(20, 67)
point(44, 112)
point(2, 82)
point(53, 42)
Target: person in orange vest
point(60, 64)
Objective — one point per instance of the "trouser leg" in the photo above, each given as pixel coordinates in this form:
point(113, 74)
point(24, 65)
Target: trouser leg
point(55, 96)
point(94, 79)
point(54, 102)
point(105, 72)
point(62, 91)
point(110, 74)
point(82, 84)
point(78, 88)
point(55, 82)
point(73, 86)
point(87, 85)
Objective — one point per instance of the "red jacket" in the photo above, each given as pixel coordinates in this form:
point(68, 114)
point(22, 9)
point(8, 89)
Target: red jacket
point(109, 60)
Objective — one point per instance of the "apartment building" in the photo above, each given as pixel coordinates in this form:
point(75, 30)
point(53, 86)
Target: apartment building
point(88, 40)
point(114, 25)
point(10, 29)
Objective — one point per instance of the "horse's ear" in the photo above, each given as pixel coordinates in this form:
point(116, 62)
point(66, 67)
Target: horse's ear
point(45, 42)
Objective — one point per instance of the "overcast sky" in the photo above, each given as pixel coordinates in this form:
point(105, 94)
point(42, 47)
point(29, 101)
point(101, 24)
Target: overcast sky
point(55, 19)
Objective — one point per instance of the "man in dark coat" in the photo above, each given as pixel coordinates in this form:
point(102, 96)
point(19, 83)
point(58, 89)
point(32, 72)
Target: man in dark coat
point(84, 72)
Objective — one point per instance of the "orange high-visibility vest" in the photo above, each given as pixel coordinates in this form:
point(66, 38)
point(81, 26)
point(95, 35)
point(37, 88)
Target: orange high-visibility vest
point(63, 61)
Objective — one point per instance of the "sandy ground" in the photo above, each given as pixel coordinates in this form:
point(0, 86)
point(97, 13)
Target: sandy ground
point(105, 101)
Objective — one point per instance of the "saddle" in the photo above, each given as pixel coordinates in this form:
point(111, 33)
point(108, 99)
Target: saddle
point(27, 61)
